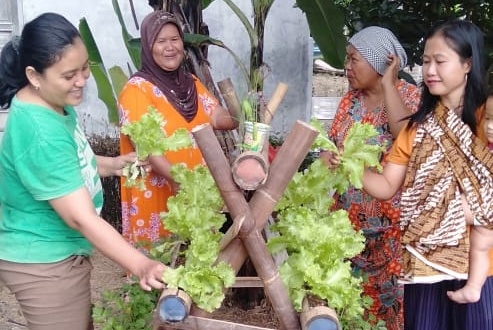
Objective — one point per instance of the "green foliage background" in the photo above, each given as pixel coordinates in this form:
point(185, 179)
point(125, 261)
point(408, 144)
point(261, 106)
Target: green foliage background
point(410, 20)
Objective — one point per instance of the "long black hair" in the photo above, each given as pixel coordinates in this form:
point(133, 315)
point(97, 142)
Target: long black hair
point(466, 39)
point(40, 45)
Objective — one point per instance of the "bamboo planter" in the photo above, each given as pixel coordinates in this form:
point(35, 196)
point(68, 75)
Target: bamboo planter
point(318, 317)
point(251, 171)
point(173, 306)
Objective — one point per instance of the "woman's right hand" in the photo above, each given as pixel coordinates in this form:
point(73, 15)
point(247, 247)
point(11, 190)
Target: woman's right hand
point(330, 159)
point(150, 274)
point(391, 72)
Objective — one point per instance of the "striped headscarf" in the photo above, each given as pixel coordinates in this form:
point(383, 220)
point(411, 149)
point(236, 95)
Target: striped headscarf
point(375, 43)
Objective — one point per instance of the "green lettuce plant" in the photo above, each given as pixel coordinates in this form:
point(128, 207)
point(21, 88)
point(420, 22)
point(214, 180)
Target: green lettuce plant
point(320, 242)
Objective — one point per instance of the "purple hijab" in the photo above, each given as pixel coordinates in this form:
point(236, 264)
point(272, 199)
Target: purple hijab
point(178, 86)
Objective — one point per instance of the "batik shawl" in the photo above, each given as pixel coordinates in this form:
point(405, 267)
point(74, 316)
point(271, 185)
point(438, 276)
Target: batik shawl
point(447, 160)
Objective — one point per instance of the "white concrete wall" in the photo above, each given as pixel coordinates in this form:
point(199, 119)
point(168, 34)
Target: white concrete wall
point(287, 50)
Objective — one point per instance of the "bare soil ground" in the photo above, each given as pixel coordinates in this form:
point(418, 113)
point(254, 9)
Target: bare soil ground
point(107, 275)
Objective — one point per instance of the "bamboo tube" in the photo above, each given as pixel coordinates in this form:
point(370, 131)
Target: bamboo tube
point(174, 305)
point(250, 170)
point(274, 101)
point(249, 235)
point(318, 317)
point(229, 96)
point(263, 201)
point(229, 138)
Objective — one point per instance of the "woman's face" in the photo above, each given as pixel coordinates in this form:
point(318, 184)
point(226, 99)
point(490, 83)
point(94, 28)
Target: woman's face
point(63, 83)
point(168, 49)
point(488, 121)
point(444, 72)
point(359, 72)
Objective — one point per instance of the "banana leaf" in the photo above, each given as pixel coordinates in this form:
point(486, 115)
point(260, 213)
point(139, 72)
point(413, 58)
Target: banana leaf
point(98, 71)
point(205, 3)
point(132, 44)
point(326, 22)
point(118, 78)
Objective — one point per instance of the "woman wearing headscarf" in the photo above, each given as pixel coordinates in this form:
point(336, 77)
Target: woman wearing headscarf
point(184, 102)
point(376, 96)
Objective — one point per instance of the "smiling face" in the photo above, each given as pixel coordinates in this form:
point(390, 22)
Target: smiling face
point(168, 48)
point(488, 121)
point(444, 72)
point(359, 72)
point(62, 83)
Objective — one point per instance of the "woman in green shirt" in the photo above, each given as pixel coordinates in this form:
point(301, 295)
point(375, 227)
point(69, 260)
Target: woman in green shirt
point(50, 188)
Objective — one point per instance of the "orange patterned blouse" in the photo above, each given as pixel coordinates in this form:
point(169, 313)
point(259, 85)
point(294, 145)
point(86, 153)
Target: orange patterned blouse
point(141, 224)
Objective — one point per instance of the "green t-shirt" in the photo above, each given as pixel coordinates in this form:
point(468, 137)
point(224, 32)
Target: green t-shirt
point(43, 156)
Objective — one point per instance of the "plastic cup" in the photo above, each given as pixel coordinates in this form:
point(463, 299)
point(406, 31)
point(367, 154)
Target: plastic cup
point(256, 134)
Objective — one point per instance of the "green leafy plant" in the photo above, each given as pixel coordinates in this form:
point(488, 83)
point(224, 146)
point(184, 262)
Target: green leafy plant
point(331, 21)
point(149, 139)
point(319, 243)
point(194, 215)
point(326, 22)
point(360, 151)
point(128, 307)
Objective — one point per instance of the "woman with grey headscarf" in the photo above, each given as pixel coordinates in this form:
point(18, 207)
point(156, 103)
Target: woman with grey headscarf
point(376, 95)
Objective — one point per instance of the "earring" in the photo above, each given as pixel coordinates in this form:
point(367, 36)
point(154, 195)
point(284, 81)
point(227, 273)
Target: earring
point(36, 88)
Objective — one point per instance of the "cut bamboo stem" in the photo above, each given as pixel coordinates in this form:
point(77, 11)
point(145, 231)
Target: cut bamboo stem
point(231, 234)
point(174, 305)
point(250, 169)
point(318, 317)
point(274, 101)
point(251, 238)
point(229, 96)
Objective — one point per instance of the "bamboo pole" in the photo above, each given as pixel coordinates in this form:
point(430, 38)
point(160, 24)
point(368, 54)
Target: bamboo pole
point(274, 102)
point(252, 240)
point(285, 164)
